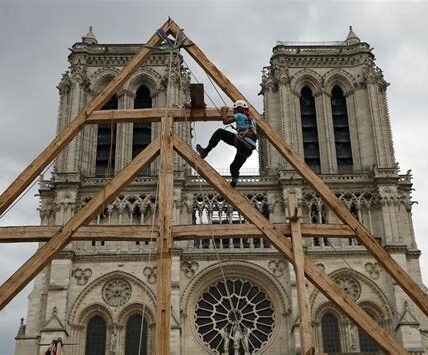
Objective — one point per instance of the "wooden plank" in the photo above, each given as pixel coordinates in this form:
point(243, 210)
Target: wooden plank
point(55, 147)
point(23, 234)
point(306, 336)
point(86, 214)
point(165, 242)
point(363, 235)
point(108, 233)
point(154, 115)
point(226, 231)
point(326, 285)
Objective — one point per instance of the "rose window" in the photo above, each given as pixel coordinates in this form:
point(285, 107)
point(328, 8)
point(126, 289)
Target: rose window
point(116, 292)
point(238, 319)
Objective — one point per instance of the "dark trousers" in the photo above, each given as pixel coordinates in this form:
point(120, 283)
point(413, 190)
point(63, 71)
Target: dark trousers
point(242, 151)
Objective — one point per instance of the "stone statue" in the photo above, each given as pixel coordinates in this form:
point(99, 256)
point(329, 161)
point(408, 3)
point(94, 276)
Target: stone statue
point(246, 341)
point(237, 337)
point(225, 334)
point(113, 342)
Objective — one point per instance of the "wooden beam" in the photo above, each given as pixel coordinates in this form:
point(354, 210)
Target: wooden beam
point(22, 234)
point(326, 285)
point(55, 147)
point(86, 214)
point(363, 235)
point(154, 115)
point(306, 337)
point(165, 242)
point(100, 232)
point(225, 231)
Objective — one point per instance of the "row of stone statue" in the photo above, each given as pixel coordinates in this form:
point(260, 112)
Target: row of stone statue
point(238, 335)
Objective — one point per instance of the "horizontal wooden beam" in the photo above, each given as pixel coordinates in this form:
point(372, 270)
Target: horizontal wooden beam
point(154, 115)
point(21, 234)
point(107, 233)
point(224, 231)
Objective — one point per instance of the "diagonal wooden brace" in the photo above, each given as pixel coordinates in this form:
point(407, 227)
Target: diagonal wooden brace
point(391, 266)
point(324, 283)
point(63, 236)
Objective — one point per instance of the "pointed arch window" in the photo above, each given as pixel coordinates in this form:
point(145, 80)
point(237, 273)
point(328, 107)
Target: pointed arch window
point(142, 131)
point(342, 137)
point(106, 143)
point(310, 130)
point(96, 336)
point(367, 344)
point(133, 334)
point(330, 333)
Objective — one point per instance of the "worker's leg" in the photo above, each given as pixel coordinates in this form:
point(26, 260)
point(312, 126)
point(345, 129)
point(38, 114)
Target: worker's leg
point(242, 154)
point(219, 135)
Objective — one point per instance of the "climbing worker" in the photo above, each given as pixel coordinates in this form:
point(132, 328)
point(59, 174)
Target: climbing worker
point(244, 140)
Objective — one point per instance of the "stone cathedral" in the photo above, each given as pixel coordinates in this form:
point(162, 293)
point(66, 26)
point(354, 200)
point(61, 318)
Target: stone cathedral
point(328, 101)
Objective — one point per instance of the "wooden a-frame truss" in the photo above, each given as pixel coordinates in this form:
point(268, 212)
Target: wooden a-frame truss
point(58, 237)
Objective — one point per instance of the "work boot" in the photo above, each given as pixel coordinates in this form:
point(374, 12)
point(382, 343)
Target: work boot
point(201, 151)
point(234, 181)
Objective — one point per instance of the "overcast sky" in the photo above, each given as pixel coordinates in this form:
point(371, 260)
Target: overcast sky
point(237, 36)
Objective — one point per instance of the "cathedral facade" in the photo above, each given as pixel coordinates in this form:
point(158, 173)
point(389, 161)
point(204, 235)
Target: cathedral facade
point(328, 102)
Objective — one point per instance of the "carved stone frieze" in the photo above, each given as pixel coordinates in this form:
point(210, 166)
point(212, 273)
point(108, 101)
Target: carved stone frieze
point(78, 73)
point(373, 269)
point(277, 267)
point(189, 268)
point(151, 273)
point(65, 84)
point(82, 275)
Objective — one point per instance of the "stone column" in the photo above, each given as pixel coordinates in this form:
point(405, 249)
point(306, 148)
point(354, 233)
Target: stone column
point(354, 130)
point(380, 123)
point(288, 123)
point(365, 132)
point(64, 88)
point(79, 87)
point(124, 131)
point(326, 133)
point(175, 304)
point(388, 198)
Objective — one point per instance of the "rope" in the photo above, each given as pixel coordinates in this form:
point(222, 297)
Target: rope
point(222, 269)
point(210, 226)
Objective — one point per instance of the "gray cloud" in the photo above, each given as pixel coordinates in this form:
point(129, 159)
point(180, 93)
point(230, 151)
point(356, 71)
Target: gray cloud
point(238, 36)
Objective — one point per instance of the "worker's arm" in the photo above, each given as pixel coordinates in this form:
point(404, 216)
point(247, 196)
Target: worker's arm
point(225, 117)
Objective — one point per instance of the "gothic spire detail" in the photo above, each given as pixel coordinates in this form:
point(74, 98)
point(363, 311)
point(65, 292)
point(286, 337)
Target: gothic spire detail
point(352, 37)
point(90, 37)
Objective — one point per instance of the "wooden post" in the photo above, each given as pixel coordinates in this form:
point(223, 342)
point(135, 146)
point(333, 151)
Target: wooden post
point(165, 242)
point(325, 284)
point(52, 150)
point(48, 251)
point(391, 266)
point(306, 337)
